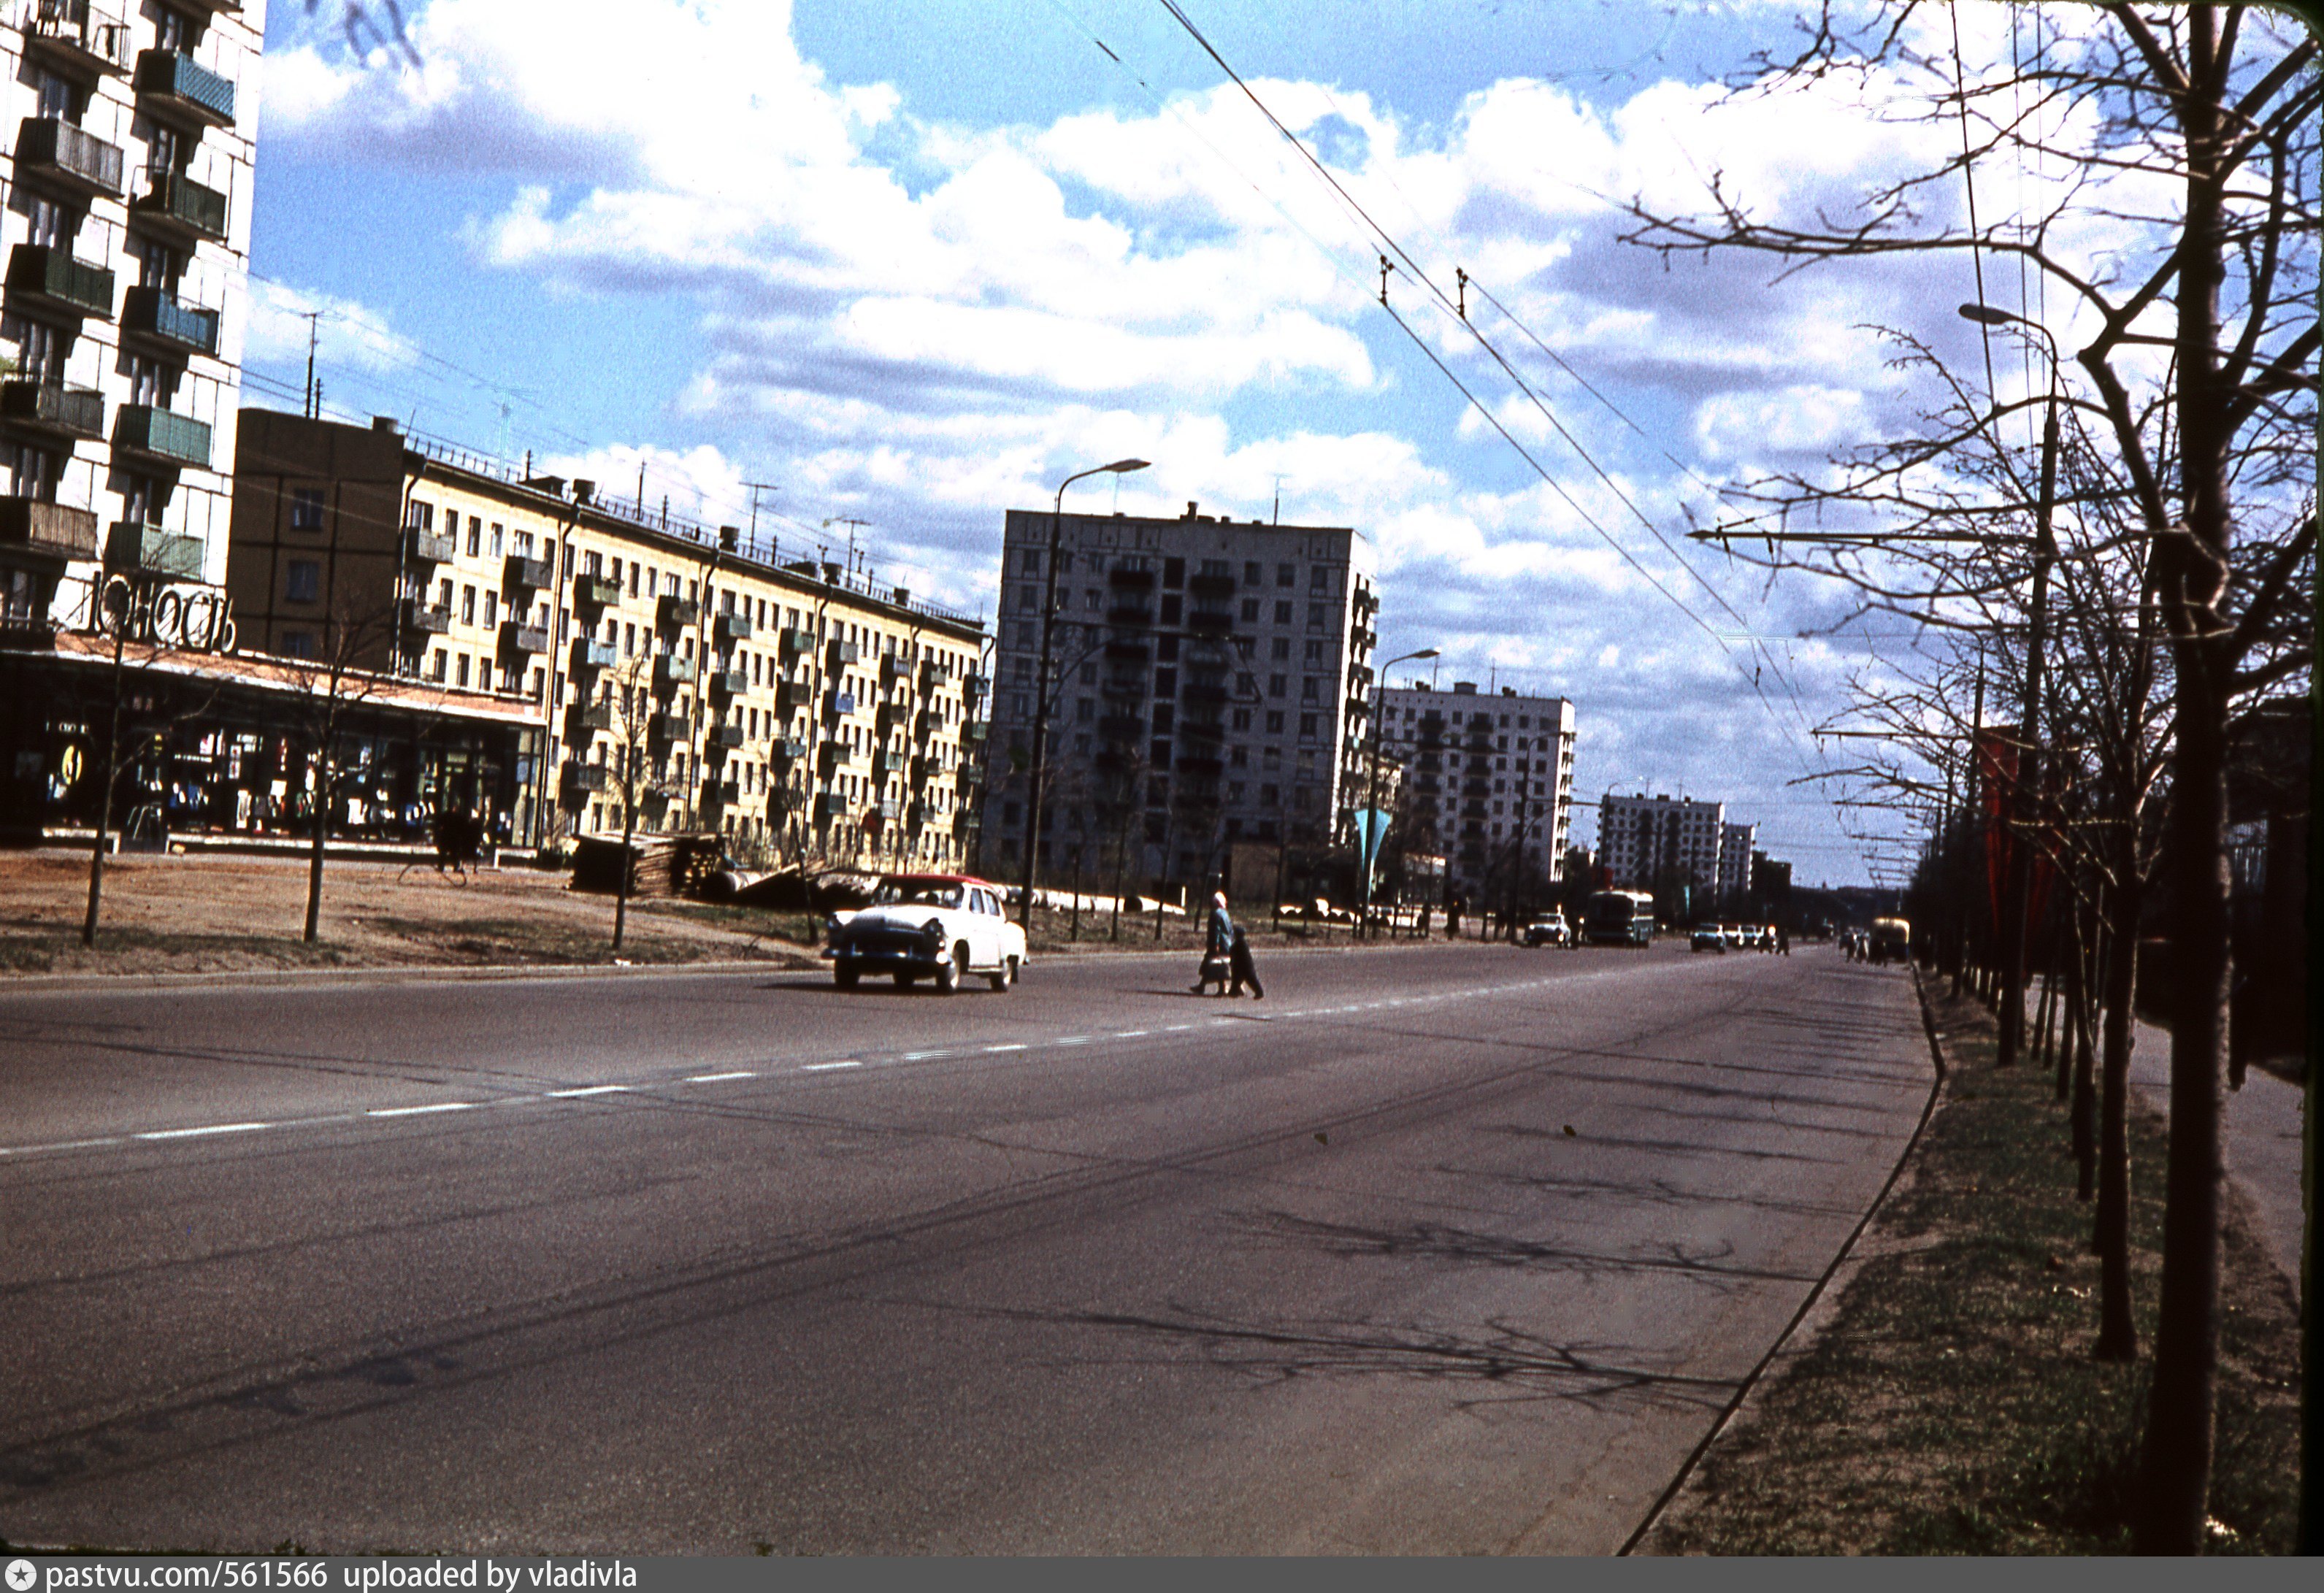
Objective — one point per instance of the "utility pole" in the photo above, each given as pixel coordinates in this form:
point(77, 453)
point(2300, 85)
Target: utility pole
point(314, 396)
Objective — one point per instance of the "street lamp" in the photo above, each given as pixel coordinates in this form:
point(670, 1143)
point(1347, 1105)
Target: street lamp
point(1041, 687)
point(2020, 882)
point(1365, 848)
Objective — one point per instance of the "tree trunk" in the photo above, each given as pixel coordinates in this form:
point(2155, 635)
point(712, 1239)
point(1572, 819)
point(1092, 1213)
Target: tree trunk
point(322, 832)
point(2175, 1467)
point(104, 798)
point(2117, 1330)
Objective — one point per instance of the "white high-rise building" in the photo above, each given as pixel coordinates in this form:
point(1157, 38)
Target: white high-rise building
point(127, 234)
point(1646, 843)
point(1734, 844)
point(1209, 678)
point(1489, 780)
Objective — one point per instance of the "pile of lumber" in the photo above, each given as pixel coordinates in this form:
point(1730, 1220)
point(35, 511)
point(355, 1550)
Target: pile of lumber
point(659, 864)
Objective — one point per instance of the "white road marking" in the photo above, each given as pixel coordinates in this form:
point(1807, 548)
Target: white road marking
point(196, 1133)
point(18, 1150)
point(718, 1078)
point(993, 1048)
point(1177, 1029)
point(1132, 1034)
point(825, 1067)
point(588, 1090)
point(1072, 1040)
point(414, 1111)
point(924, 1056)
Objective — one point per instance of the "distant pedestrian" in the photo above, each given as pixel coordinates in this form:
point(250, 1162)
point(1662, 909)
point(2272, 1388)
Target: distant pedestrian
point(1424, 920)
point(1218, 946)
point(1245, 971)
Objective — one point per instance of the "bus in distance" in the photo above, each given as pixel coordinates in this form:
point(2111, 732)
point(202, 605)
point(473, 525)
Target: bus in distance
point(1619, 918)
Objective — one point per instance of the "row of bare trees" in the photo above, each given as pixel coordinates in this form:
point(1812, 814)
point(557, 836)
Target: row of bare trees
point(2109, 552)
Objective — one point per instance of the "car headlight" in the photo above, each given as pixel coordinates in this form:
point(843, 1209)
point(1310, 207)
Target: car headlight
point(933, 932)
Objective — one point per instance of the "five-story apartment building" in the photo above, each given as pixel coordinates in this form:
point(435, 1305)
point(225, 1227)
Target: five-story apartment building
point(784, 703)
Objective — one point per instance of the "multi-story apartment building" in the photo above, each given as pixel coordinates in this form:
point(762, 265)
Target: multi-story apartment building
point(127, 234)
point(1653, 842)
point(787, 704)
point(1734, 844)
point(1209, 681)
point(1489, 783)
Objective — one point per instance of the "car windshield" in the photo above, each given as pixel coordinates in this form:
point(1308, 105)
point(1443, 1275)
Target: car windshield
point(919, 893)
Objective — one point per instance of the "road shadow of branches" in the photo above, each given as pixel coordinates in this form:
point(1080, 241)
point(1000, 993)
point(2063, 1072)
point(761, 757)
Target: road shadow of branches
point(1445, 1242)
point(1505, 1363)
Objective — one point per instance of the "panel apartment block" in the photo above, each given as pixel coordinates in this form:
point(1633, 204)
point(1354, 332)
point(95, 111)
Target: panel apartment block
point(128, 172)
point(1648, 843)
point(1209, 681)
point(787, 704)
point(1488, 782)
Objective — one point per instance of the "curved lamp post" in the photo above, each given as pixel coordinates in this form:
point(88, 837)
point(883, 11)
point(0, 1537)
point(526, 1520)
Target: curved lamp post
point(1367, 853)
point(1041, 686)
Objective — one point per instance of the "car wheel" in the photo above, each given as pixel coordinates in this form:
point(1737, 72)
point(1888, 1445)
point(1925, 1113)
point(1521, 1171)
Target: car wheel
point(948, 970)
point(844, 975)
point(1005, 978)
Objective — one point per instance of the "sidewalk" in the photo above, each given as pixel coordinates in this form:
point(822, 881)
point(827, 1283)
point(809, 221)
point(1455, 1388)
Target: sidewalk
point(2262, 1150)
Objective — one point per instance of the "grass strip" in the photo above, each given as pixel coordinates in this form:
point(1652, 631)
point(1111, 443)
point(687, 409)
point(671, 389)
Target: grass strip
point(1950, 1404)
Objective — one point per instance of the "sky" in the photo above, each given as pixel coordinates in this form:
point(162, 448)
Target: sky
point(910, 265)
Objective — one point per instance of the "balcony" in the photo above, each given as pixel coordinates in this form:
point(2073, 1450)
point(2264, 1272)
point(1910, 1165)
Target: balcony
point(1210, 622)
point(1134, 580)
point(1211, 693)
point(966, 824)
point(1203, 730)
point(722, 793)
point(830, 807)
point(793, 642)
point(54, 278)
point(791, 696)
point(595, 592)
point(1121, 727)
point(427, 548)
point(135, 549)
point(584, 720)
point(732, 627)
point(726, 738)
point(69, 158)
point(520, 573)
point(893, 668)
point(51, 528)
point(836, 755)
point(976, 684)
point(589, 655)
point(973, 732)
point(669, 726)
point(925, 723)
point(841, 654)
point(787, 752)
point(969, 776)
point(61, 411)
point(159, 434)
point(177, 85)
point(72, 36)
point(888, 765)
point(933, 675)
point(517, 637)
point(584, 777)
point(1211, 585)
point(728, 684)
point(1125, 650)
point(423, 620)
point(1202, 766)
point(173, 202)
point(1129, 613)
point(669, 669)
point(677, 613)
point(840, 704)
point(888, 720)
point(181, 329)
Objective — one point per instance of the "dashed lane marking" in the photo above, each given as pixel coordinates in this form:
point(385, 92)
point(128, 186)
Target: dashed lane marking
point(825, 1067)
point(206, 1128)
point(587, 1090)
point(416, 1111)
point(719, 1078)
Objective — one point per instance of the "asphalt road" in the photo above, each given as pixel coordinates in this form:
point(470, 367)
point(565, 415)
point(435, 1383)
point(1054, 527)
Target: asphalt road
point(1446, 1249)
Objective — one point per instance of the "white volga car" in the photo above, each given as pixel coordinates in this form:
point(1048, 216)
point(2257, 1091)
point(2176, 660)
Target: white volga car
point(942, 927)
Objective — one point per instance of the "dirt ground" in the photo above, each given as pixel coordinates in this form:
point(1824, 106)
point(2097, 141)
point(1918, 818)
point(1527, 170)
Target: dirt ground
point(196, 914)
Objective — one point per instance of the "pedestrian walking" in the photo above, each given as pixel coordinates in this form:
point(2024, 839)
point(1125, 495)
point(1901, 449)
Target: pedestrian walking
point(1245, 971)
point(1218, 947)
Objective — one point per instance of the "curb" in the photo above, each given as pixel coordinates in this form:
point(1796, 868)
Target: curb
point(1750, 1382)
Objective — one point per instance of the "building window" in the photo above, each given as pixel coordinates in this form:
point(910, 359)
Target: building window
point(1283, 574)
point(467, 617)
point(492, 609)
point(298, 644)
point(476, 536)
point(436, 664)
point(1307, 726)
point(460, 670)
point(306, 509)
point(303, 583)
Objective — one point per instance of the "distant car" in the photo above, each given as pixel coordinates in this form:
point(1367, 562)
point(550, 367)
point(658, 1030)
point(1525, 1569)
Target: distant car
point(1548, 930)
point(942, 927)
point(1892, 940)
point(1708, 937)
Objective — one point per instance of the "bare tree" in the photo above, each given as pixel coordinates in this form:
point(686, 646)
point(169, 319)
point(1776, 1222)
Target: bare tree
point(638, 722)
point(2193, 133)
point(330, 692)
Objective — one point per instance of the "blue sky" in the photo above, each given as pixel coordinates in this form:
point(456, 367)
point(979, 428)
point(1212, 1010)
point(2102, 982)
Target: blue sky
point(915, 262)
